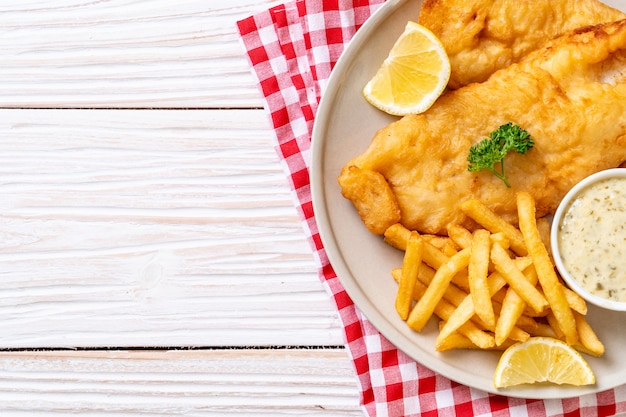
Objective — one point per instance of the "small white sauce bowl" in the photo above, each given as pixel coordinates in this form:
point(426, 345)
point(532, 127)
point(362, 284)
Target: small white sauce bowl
point(555, 231)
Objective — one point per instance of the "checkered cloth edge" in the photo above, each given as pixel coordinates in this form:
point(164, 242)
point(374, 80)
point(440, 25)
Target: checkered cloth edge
point(292, 49)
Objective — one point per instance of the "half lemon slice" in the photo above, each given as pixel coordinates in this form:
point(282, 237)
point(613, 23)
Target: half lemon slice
point(542, 359)
point(413, 76)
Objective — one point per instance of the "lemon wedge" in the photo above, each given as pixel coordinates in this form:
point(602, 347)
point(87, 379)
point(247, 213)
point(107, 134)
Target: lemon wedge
point(542, 359)
point(413, 76)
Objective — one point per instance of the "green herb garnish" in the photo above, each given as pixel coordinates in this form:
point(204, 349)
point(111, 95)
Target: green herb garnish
point(490, 151)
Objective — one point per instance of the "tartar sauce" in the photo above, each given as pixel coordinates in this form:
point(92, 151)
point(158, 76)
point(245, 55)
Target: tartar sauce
point(592, 238)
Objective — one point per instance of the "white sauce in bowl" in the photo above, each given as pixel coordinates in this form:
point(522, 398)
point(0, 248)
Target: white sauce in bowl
point(592, 238)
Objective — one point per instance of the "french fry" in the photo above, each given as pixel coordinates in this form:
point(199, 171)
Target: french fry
point(460, 235)
point(462, 314)
point(435, 258)
point(516, 279)
point(587, 337)
point(397, 236)
point(543, 226)
point(516, 334)
point(459, 341)
point(440, 242)
point(528, 311)
point(449, 249)
point(410, 268)
point(454, 341)
point(542, 329)
point(461, 280)
point(552, 287)
point(526, 323)
point(501, 239)
point(575, 301)
point(512, 309)
point(466, 310)
point(419, 288)
point(480, 213)
point(453, 294)
point(423, 310)
point(425, 275)
point(554, 325)
point(444, 308)
point(478, 269)
point(481, 339)
point(498, 297)
point(396, 274)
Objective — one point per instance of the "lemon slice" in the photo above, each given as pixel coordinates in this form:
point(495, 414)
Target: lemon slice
point(413, 76)
point(542, 359)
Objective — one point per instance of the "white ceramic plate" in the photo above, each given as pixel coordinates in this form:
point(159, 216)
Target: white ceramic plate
point(345, 125)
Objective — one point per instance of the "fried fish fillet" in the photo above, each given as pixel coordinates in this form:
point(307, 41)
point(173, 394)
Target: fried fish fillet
point(482, 36)
point(569, 95)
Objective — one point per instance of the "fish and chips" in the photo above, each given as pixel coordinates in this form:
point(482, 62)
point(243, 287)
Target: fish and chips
point(476, 250)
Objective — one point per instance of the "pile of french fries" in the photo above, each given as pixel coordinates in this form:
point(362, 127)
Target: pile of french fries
point(491, 287)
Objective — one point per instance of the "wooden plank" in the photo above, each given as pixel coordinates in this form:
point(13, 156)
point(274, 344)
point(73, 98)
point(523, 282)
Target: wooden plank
point(124, 53)
point(152, 228)
point(191, 383)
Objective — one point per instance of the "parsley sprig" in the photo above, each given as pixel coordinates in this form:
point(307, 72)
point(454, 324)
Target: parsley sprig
point(491, 151)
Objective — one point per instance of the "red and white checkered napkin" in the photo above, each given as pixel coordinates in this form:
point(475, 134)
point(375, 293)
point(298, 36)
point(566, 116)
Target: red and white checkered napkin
point(292, 49)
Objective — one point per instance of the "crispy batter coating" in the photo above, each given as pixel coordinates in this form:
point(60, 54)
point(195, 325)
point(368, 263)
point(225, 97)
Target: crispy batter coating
point(482, 36)
point(570, 96)
point(372, 197)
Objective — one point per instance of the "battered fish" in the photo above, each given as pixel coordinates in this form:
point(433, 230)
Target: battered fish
point(482, 36)
point(570, 96)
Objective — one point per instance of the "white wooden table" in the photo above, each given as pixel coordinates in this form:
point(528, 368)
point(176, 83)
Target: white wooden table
point(151, 259)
